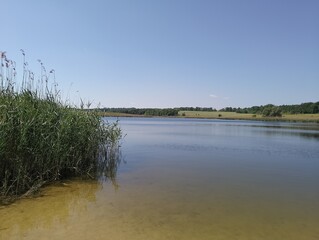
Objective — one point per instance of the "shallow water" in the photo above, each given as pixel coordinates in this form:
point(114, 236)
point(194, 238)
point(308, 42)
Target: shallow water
point(188, 179)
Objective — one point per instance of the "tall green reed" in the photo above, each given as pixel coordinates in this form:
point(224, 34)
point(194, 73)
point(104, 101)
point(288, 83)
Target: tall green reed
point(43, 139)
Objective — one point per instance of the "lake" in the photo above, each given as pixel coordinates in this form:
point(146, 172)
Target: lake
point(187, 179)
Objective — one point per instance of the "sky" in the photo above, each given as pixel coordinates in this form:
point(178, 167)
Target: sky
point(169, 53)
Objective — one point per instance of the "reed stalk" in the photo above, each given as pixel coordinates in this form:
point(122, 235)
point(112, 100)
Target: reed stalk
point(43, 139)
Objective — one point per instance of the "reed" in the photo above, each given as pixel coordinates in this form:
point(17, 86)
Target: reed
point(43, 139)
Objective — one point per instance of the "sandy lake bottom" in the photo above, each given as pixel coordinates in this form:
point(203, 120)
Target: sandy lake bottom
point(187, 179)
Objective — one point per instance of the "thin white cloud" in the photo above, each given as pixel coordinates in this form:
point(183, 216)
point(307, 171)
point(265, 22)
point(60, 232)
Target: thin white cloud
point(213, 96)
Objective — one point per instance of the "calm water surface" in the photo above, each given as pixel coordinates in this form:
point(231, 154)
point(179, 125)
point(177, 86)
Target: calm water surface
point(188, 179)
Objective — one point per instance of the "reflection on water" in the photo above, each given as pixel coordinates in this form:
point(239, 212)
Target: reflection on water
point(309, 134)
point(187, 179)
point(109, 162)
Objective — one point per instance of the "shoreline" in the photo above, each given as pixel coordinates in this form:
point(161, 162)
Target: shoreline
point(302, 118)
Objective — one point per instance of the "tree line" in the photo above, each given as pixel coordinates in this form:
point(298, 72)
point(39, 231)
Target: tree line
point(143, 111)
point(156, 111)
point(303, 108)
point(205, 109)
point(268, 110)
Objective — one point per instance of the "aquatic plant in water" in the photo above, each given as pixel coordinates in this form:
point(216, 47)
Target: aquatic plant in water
point(43, 139)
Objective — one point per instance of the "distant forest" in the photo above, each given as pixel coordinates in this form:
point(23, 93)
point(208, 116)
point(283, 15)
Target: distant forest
point(156, 111)
point(303, 108)
point(144, 111)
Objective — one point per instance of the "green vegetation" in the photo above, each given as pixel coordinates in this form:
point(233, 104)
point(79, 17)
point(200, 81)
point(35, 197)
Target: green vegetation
point(271, 111)
point(214, 115)
point(140, 111)
point(267, 112)
point(197, 109)
point(43, 140)
point(304, 108)
point(160, 112)
point(248, 116)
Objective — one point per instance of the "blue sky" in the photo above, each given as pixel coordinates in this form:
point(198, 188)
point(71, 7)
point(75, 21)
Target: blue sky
point(170, 53)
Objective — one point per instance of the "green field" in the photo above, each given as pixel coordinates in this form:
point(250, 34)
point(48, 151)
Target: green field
point(227, 115)
point(247, 116)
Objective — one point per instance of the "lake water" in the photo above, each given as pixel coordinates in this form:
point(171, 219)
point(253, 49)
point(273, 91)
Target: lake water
point(188, 179)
